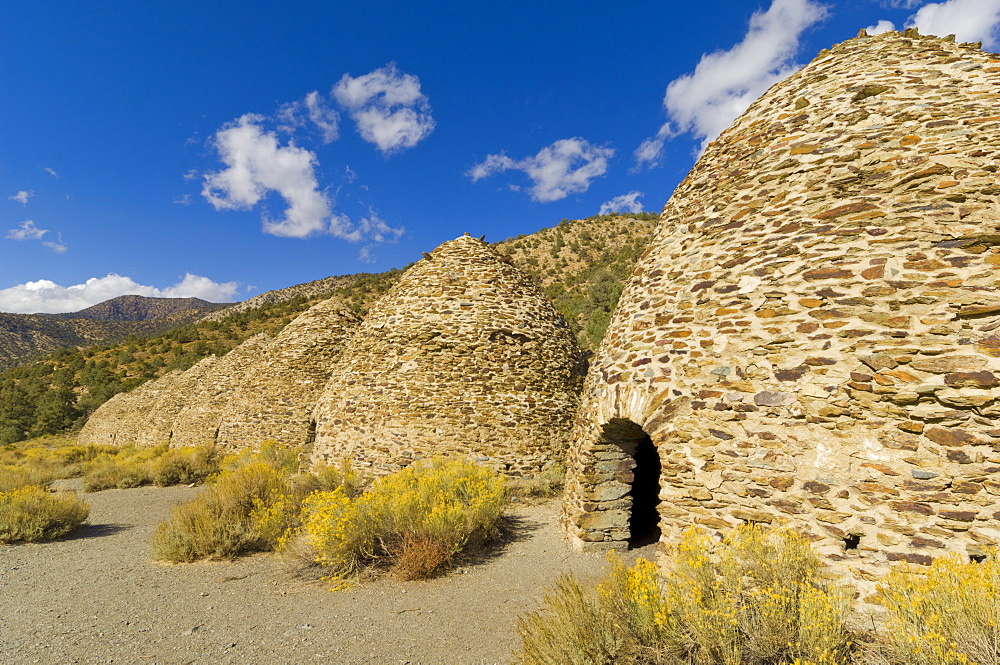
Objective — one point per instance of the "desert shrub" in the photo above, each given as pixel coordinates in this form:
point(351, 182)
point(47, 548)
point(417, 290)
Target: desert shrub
point(282, 458)
point(329, 478)
point(244, 511)
point(31, 514)
point(415, 521)
point(544, 485)
point(948, 614)
point(41, 460)
point(15, 477)
point(757, 598)
point(112, 473)
point(183, 466)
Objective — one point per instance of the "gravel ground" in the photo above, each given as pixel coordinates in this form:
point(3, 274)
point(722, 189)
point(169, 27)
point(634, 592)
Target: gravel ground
point(97, 597)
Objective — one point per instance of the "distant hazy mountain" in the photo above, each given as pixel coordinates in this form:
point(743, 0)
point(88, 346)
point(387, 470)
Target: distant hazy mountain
point(142, 308)
point(26, 336)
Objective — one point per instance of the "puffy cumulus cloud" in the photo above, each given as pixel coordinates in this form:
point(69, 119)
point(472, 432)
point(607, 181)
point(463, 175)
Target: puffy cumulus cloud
point(21, 197)
point(51, 298)
point(880, 27)
point(256, 165)
point(311, 111)
point(624, 203)
point(566, 167)
point(388, 108)
point(968, 20)
point(26, 231)
point(725, 83)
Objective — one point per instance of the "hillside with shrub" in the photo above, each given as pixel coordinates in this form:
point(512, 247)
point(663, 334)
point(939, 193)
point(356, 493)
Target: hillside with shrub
point(580, 264)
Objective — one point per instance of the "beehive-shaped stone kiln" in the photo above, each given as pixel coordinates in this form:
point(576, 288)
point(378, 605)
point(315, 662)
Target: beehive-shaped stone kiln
point(276, 395)
point(197, 423)
point(464, 356)
point(813, 337)
point(121, 420)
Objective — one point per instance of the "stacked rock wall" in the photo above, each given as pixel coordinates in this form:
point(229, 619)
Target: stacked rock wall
point(813, 337)
point(155, 423)
point(120, 420)
point(464, 356)
point(198, 421)
point(275, 397)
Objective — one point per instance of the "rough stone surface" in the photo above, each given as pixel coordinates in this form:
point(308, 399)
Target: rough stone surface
point(263, 389)
point(463, 356)
point(275, 396)
point(120, 420)
point(823, 290)
point(198, 421)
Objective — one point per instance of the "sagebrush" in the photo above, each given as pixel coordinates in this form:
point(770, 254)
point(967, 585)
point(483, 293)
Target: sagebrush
point(32, 514)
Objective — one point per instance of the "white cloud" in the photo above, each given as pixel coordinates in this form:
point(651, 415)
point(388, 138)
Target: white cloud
point(650, 152)
point(880, 27)
point(725, 83)
point(624, 203)
point(183, 200)
point(49, 297)
point(558, 170)
point(378, 229)
point(27, 231)
point(51, 171)
point(968, 20)
point(257, 164)
point(310, 109)
point(366, 255)
point(388, 107)
point(22, 196)
point(56, 246)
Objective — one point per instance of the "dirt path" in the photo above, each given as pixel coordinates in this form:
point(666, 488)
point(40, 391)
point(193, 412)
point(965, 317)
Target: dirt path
point(98, 598)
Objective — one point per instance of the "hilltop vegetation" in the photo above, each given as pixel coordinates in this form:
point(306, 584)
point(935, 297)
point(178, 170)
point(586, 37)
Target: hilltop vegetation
point(580, 264)
point(26, 336)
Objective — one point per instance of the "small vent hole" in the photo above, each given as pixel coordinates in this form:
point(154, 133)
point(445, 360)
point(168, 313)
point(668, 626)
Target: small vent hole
point(977, 558)
point(851, 542)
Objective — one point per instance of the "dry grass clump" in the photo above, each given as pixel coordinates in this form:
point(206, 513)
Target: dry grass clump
point(183, 466)
point(31, 514)
point(248, 507)
point(127, 467)
point(948, 614)
point(545, 485)
point(223, 521)
point(40, 461)
point(758, 598)
point(415, 521)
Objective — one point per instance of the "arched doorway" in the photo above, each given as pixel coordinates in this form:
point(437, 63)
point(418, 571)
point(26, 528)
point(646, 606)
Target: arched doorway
point(640, 469)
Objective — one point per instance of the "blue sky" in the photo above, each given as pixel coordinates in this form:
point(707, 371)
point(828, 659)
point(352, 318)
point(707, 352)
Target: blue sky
point(219, 150)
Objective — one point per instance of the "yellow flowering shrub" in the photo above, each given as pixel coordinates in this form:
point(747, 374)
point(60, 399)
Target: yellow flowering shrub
point(183, 466)
point(947, 614)
point(42, 460)
point(31, 514)
point(416, 520)
point(756, 598)
point(244, 511)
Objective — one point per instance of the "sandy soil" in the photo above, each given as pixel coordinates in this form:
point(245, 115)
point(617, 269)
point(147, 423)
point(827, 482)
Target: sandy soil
point(97, 597)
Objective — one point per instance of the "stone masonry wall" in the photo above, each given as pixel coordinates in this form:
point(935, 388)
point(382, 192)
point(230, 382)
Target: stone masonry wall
point(198, 421)
point(813, 337)
point(464, 356)
point(275, 398)
point(120, 420)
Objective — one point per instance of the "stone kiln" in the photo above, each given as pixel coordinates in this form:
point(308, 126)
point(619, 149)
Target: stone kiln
point(275, 397)
point(198, 421)
point(813, 337)
point(463, 356)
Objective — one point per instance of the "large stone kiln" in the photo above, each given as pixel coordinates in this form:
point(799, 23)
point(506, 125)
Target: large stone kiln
point(813, 337)
point(464, 356)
